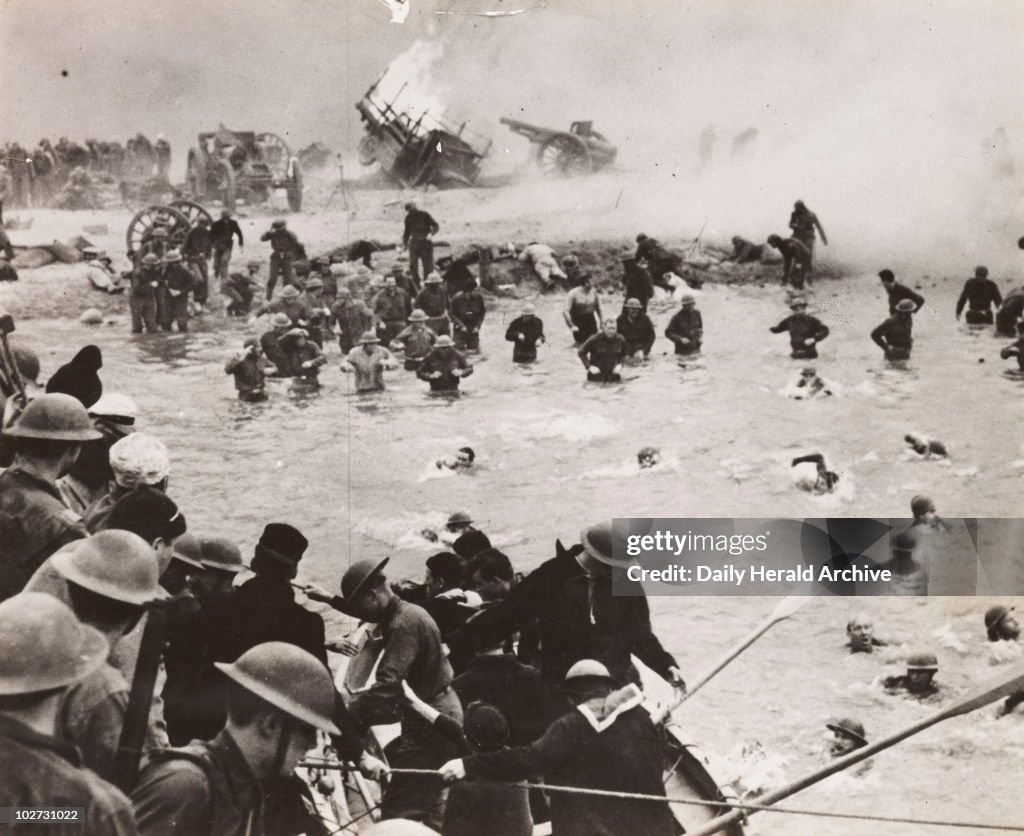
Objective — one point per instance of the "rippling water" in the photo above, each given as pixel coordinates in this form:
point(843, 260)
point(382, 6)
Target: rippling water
point(557, 454)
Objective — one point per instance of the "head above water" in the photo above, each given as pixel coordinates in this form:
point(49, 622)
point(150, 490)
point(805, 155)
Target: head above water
point(648, 457)
point(860, 631)
point(921, 506)
point(1001, 624)
point(981, 272)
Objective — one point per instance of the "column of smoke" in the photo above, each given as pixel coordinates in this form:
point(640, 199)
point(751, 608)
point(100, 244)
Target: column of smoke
point(899, 124)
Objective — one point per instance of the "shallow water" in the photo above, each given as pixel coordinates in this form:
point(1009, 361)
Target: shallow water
point(554, 454)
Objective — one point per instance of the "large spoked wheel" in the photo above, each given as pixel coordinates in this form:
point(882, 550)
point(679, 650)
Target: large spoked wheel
point(140, 230)
point(276, 154)
point(192, 211)
point(367, 150)
point(294, 187)
point(564, 155)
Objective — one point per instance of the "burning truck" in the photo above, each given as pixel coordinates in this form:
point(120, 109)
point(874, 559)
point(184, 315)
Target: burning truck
point(416, 148)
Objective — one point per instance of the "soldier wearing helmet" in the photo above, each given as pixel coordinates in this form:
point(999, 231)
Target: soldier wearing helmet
point(686, 328)
point(34, 521)
point(46, 651)
point(636, 281)
point(805, 331)
point(848, 735)
point(917, 682)
point(109, 580)
point(196, 250)
point(796, 260)
point(895, 335)
point(413, 652)
point(416, 340)
point(1001, 624)
point(278, 697)
point(444, 366)
point(145, 279)
point(247, 369)
point(803, 222)
point(608, 740)
point(525, 332)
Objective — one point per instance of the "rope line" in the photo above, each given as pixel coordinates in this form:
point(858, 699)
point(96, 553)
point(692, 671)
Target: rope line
point(746, 807)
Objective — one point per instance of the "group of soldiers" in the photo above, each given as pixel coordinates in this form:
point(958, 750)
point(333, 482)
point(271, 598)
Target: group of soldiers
point(39, 177)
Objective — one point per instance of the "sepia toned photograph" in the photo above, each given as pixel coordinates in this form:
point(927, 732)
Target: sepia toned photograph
point(511, 417)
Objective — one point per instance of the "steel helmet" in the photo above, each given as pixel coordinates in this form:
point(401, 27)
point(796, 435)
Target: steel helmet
point(149, 259)
point(221, 554)
point(54, 416)
point(160, 232)
point(290, 679)
point(587, 668)
point(921, 505)
point(848, 727)
point(281, 320)
point(278, 224)
point(172, 256)
point(115, 564)
point(460, 517)
point(314, 283)
point(633, 303)
point(254, 263)
point(290, 292)
point(529, 309)
point(687, 299)
point(444, 341)
point(188, 549)
point(139, 459)
point(369, 337)
point(922, 662)
point(417, 315)
point(45, 646)
point(433, 278)
point(641, 237)
point(598, 542)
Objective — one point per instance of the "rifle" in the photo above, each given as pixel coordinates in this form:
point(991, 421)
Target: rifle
point(140, 700)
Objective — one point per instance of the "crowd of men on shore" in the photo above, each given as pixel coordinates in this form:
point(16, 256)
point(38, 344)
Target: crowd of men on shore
point(33, 177)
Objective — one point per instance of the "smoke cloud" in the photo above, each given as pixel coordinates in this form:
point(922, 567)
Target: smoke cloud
point(899, 124)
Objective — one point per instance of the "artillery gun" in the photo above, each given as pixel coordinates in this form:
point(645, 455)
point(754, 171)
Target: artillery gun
point(581, 150)
point(233, 165)
point(418, 151)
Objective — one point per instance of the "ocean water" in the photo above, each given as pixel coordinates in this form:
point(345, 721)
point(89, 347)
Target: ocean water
point(556, 456)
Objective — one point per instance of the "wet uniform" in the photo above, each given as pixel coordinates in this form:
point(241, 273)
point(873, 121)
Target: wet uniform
point(418, 341)
point(1010, 311)
point(250, 381)
point(894, 336)
point(446, 361)
point(638, 332)
point(532, 330)
point(240, 290)
point(392, 309)
point(419, 226)
point(801, 327)
point(606, 352)
point(468, 311)
point(145, 286)
point(34, 523)
point(353, 318)
point(196, 251)
point(980, 294)
point(686, 324)
point(178, 281)
point(796, 262)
